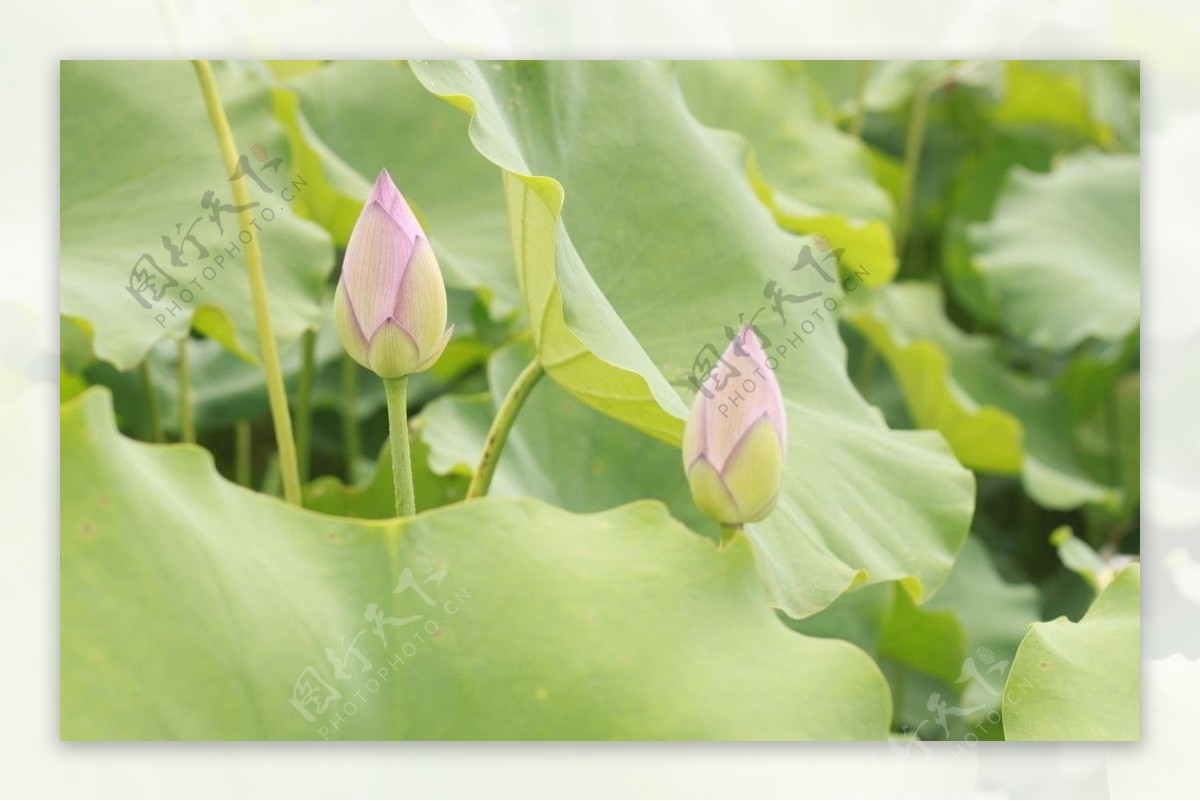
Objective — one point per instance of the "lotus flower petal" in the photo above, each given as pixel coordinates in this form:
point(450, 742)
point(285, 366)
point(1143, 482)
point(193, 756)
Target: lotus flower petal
point(421, 301)
point(738, 434)
point(392, 352)
point(390, 305)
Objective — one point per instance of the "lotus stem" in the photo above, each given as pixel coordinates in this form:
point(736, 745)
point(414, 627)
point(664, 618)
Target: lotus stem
point(308, 346)
point(350, 439)
point(860, 104)
point(397, 403)
point(498, 435)
point(276, 391)
point(242, 453)
point(187, 423)
point(913, 143)
point(153, 415)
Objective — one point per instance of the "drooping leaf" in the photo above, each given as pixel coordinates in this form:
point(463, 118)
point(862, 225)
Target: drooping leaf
point(995, 419)
point(194, 609)
point(139, 158)
point(1080, 681)
point(638, 240)
point(1060, 255)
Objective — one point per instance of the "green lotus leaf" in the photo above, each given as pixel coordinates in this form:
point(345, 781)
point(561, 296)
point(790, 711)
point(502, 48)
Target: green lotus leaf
point(814, 178)
point(1060, 255)
point(639, 239)
point(1080, 681)
point(995, 419)
point(194, 609)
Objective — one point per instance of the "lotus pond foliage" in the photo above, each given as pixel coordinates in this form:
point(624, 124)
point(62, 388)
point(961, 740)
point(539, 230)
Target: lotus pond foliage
point(600, 400)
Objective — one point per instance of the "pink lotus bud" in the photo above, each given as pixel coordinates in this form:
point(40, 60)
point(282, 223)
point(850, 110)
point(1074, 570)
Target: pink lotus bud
point(735, 442)
point(390, 305)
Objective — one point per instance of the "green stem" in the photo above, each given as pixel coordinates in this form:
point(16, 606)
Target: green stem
point(153, 416)
point(866, 370)
point(350, 436)
point(241, 450)
point(1112, 424)
point(276, 392)
point(308, 344)
point(913, 144)
point(728, 533)
point(506, 415)
point(397, 403)
point(860, 105)
point(187, 425)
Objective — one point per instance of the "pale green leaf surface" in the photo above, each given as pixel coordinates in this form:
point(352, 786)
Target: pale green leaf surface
point(191, 608)
point(1080, 681)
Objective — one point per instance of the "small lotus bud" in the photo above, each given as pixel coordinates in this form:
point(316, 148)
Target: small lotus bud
point(390, 304)
point(735, 441)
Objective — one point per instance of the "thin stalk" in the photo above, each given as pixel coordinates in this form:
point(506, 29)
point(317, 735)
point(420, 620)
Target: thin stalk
point(728, 533)
point(860, 105)
point(913, 143)
point(276, 392)
point(242, 453)
point(270, 481)
point(350, 437)
point(187, 423)
point(153, 415)
point(866, 370)
point(1112, 425)
point(397, 403)
point(308, 368)
point(506, 415)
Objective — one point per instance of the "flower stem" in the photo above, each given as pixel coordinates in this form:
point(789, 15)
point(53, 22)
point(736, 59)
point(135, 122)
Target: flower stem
point(913, 143)
point(187, 424)
point(241, 450)
point(397, 403)
point(153, 416)
point(350, 440)
point(506, 415)
point(860, 104)
point(728, 533)
point(308, 346)
point(276, 393)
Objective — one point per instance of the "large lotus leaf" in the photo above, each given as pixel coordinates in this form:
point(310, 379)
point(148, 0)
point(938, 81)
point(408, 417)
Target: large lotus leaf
point(1080, 681)
point(139, 158)
point(815, 178)
point(192, 608)
point(1060, 255)
point(596, 462)
point(351, 119)
point(639, 240)
point(995, 419)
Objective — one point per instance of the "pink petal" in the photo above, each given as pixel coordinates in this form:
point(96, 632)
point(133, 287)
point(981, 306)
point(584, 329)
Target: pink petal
point(376, 258)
